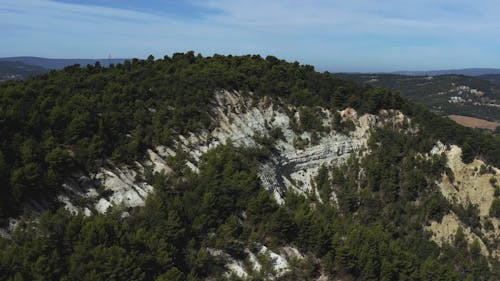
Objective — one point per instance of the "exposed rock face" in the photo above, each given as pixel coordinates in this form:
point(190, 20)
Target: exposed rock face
point(445, 231)
point(242, 120)
point(468, 186)
point(125, 188)
point(110, 186)
point(277, 260)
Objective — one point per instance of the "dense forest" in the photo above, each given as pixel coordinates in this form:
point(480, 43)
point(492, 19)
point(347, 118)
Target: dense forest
point(167, 239)
point(74, 118)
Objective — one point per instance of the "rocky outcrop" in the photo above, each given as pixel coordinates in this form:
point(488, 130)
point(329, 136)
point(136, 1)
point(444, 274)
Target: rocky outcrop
point(253, 264)
point(110, 186)
point(243, 120)
point(469, 185)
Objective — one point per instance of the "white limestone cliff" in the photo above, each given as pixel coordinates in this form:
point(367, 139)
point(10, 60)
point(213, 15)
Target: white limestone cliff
point(240, 119)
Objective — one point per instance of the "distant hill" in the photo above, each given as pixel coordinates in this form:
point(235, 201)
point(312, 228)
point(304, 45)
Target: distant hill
point(465, 71)
point(18, 70)
point(444, 94)
point(59, 63)
point(493, 78)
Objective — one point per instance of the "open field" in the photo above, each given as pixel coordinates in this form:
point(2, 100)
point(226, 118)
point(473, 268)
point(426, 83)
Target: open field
point(474, 122)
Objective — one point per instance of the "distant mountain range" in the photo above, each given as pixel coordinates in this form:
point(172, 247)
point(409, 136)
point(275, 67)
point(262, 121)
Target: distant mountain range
point(20, 68)
point(465, 71)
point(59, 63)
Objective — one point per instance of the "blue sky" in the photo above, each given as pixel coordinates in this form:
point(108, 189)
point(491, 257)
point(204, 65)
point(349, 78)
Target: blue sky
point(335, 35)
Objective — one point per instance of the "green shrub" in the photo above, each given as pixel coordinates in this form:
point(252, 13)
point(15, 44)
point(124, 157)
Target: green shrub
point(495, 208)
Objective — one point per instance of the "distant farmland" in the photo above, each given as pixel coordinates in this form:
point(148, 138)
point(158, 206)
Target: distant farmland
point(474, 122)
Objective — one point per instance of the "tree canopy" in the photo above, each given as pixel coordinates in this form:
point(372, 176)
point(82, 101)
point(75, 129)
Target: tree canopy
point(64, 120)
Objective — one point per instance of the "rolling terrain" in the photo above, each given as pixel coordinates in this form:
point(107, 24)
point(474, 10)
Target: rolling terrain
point(493, 78)
point(444, 94)
point(18, 70)
point(54, 63)
point(474, 122)
point(465, 72)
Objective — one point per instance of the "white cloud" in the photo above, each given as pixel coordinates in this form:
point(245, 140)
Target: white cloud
point(359, 15)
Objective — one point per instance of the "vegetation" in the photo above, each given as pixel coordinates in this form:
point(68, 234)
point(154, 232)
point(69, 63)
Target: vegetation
point(65, 119)
point(436, 91)
point(69, 119)
point(375, 234)
point(55, 122)
point(495, 208)
point(15, 70)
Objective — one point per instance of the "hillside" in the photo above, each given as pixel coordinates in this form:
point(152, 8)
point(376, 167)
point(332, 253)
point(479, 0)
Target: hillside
point(238, 168)
point(493, 78)
point(18, 70)
point(465, 71)
point(444, 94)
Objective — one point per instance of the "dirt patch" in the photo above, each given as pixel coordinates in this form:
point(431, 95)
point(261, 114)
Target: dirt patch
point(467, 186)
point(444, 232)
point(474, 122)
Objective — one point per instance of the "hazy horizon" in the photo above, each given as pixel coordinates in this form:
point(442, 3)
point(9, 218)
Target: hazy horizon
point(338, 36)
point(400, 71)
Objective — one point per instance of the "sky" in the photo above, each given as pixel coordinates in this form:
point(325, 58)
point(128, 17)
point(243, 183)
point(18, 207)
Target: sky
point(335, 35)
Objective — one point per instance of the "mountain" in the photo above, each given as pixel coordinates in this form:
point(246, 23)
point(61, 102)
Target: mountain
point(238, 168)
point(18, 70)
point(466, 72)
point(49, 63)
point(444, 94)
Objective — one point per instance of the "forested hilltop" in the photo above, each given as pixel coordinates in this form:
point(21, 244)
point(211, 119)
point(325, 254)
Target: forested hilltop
point(83, 118)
